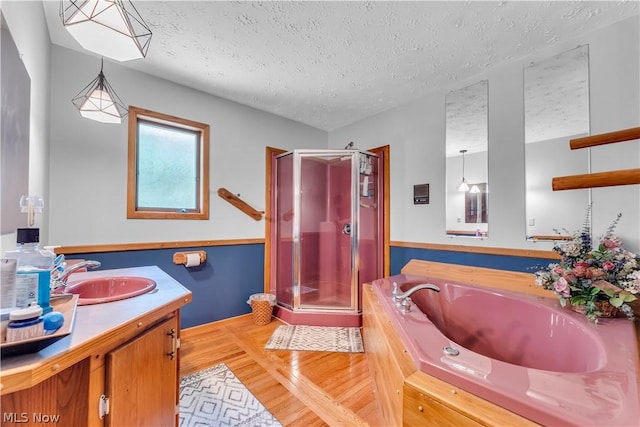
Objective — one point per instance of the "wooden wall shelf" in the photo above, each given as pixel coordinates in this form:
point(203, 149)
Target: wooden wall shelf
point(240, 204)
point(549, 237)
point(600, 179)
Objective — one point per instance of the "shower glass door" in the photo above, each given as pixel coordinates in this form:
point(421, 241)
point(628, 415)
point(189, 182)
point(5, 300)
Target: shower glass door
point(327, 228)
point(326, 270)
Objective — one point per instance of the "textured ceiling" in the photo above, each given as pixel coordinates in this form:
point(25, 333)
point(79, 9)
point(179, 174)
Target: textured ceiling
point(328, 63)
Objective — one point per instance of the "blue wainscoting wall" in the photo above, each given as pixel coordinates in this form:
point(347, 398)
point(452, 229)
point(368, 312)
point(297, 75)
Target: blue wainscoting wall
point(402, 255)
point(221, 286)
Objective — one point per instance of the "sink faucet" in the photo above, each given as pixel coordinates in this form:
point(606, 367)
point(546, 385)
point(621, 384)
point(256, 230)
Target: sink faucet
point(402, 300)
point(59, 279)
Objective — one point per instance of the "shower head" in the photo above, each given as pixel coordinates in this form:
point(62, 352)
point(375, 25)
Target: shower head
point(349, 146)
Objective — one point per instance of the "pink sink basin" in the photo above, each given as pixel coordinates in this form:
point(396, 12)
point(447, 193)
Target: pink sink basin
point(107, 289)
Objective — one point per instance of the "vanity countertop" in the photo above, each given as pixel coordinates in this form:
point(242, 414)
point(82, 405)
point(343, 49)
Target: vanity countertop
point(97, 328)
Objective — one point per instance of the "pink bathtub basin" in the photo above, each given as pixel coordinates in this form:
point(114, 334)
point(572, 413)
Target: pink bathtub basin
point(106, 289)
point(511, 330)
point(526, 354)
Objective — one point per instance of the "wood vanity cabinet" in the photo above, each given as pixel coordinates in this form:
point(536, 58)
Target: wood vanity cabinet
point(142, 379)
point(59, 400)
point(137, 373)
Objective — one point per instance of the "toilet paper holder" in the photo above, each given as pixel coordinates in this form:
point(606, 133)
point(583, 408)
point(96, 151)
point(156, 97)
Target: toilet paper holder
point(181, 257)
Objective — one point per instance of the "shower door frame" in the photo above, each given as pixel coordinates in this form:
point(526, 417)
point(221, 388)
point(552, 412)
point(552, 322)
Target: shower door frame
point(298, 155)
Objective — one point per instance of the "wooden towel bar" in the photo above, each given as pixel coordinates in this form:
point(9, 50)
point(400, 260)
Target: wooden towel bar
point(240, 204)
point(600, 179)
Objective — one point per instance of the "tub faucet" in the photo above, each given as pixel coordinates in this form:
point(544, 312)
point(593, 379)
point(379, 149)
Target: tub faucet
point(60, 279)
point(403, 300)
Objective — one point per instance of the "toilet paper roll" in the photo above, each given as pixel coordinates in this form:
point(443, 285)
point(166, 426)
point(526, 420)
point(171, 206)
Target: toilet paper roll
point(193, 260)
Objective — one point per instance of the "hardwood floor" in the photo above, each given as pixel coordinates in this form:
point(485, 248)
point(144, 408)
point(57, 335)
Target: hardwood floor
point(300, 388)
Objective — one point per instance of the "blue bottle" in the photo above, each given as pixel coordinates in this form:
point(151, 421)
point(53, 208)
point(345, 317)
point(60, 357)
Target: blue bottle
point(33, 272)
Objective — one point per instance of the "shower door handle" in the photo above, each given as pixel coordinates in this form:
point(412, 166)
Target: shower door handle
point(346, 229)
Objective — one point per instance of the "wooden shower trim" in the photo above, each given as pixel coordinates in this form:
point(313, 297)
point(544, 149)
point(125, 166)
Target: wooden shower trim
point(600, 179)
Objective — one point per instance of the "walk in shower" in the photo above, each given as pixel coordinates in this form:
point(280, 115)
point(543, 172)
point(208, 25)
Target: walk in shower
point(326, 234)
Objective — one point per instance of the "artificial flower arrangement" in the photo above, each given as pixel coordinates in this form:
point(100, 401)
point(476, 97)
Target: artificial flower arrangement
point(598, 281)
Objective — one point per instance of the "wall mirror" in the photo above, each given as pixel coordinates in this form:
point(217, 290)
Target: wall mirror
point(467, 131)
point(556, 109)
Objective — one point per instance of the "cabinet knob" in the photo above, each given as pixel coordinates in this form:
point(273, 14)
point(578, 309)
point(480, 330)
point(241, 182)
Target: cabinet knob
point(420, 408)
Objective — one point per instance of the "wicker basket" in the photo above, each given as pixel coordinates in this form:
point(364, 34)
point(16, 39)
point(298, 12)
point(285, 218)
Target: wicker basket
point(261, 312)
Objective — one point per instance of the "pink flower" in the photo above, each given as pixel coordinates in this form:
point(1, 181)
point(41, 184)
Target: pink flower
point(561, 286)
point(611, 243)
point(580, 269)
point(557, 270)
point(608, 265)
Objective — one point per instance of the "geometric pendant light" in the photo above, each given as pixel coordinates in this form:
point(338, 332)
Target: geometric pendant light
point(98, 101)
point(111, 28)
point(463, 185)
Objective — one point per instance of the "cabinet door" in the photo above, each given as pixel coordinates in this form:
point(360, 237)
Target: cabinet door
point(142, 379)
point(420, 410)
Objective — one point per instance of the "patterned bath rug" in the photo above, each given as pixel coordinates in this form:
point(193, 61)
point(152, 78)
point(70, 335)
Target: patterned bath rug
point(316, 338)
point(216, 397)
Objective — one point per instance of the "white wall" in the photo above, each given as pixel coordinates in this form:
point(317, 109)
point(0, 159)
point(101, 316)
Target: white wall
point(541, 169)
point(85, 189)
point(416, 133)
point(28, 27)
point(88, 176)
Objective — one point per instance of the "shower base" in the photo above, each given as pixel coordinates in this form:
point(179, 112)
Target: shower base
point(318, 318)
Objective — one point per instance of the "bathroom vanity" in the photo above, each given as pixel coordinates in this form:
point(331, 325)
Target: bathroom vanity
point(119, 366)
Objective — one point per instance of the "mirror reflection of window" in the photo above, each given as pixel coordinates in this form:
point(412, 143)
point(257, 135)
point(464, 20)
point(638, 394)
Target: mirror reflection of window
point(556, 108)
point(466, 141)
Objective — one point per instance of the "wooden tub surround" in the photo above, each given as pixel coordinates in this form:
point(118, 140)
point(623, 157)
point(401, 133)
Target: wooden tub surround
point(408, 396)
point(115, 350)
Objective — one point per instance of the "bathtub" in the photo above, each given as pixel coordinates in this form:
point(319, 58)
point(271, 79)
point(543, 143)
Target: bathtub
point(524, 353)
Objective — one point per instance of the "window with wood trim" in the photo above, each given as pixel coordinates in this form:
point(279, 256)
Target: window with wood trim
point(168, 173)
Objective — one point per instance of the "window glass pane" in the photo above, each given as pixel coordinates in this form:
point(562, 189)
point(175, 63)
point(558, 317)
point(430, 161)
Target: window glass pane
point(167, 167)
